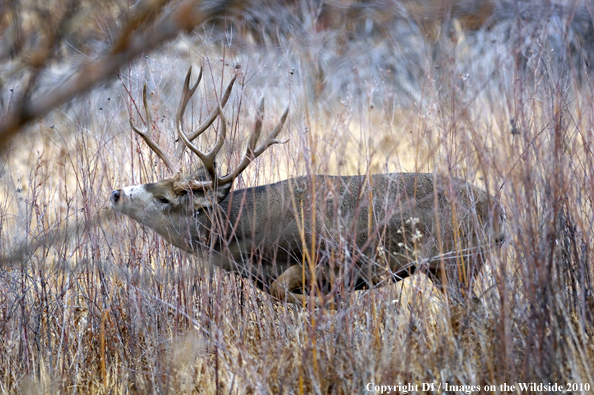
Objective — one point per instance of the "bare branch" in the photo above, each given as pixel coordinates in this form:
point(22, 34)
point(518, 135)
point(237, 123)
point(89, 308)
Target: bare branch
point(132, 43)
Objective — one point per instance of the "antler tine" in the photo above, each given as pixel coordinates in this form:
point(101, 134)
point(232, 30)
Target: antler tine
point(187, 94)
point(210, 119)
point(271, 139)
point(213, 115)
point(208, 159)
point(250, 152)
point(146, 136)
point(257, 127)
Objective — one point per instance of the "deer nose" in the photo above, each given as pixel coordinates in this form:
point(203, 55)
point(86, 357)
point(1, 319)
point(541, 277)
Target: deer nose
point(115, 196)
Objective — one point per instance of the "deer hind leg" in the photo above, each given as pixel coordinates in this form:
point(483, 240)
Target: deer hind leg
point(291, 279)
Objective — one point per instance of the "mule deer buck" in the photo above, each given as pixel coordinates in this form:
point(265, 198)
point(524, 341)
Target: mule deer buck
point(319, 235)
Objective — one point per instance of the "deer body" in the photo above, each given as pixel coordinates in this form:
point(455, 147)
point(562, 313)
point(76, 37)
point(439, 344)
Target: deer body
point(321, 233)
point(381, 227)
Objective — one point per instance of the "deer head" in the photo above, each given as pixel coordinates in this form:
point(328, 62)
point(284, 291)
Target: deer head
point(166, 205)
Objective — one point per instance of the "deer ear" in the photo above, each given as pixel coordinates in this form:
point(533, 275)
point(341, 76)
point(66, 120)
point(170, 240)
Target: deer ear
point(222, 191)
point(201, 174)
point(204, 200)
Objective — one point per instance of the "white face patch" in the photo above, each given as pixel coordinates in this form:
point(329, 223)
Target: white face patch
point(158, 207)
point(137, 203)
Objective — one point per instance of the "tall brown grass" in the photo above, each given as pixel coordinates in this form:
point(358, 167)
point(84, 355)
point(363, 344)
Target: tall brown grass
point(93, 303)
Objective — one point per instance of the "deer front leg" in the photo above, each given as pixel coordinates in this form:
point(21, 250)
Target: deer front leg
point(289, 280)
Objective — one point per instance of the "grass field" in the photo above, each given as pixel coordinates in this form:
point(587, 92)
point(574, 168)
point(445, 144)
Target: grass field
point(92, 302)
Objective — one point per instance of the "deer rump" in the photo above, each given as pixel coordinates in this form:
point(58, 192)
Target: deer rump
point(349, 232)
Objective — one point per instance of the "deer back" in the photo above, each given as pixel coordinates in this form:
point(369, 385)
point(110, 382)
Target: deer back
point(394, 219)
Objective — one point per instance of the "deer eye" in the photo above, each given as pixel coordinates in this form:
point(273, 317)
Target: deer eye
point(163, 200)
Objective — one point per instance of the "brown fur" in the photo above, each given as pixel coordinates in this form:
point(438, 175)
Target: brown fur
point(320, 233)
point(321, 229)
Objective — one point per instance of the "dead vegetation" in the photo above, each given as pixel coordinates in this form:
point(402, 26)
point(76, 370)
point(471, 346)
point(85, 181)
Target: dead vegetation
point(96, 304)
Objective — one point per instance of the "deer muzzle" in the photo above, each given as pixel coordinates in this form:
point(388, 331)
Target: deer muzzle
point(115, 196)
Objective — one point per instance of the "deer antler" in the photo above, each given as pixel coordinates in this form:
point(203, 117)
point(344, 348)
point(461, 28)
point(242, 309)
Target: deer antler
point(187, 93)
point(251, 151)
point(147, 137)
point(208, 159)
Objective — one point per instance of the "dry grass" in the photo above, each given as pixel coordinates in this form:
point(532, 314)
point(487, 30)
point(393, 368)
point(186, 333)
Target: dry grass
point(94, 303)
